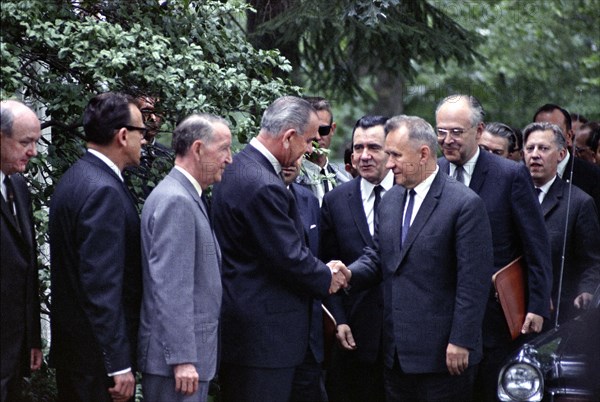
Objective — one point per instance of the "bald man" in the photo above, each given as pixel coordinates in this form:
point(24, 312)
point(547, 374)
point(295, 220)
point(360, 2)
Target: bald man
point(19, 303)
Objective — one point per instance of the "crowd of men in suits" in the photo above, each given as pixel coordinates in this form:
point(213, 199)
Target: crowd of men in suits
point(189, 291)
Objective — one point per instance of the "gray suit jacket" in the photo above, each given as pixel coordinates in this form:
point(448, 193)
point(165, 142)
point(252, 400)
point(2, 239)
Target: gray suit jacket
point(182, 281)
point(435, 284)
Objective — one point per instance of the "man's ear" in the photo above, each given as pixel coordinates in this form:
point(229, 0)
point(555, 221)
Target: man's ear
point(480, 129)
point(561, 154)
point(197, 148)
point(286, 137)
point(121, 137)
point(425, 152)
point(333, 127)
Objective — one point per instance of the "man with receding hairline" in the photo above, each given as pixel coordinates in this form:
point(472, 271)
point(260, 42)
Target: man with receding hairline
point(20, 349)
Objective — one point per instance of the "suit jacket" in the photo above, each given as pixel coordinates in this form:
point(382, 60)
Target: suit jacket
point(586, 176)
point(95, 270)
point(310, 179)
point(435, 282)
point(515, 215)
point(583, 241)
point(270, 277)
point(345, 233)
point(19, 300)
point(182, 281)
point(308, 207)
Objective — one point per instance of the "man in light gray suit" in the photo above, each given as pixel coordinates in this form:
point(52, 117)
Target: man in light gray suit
point(181, 261)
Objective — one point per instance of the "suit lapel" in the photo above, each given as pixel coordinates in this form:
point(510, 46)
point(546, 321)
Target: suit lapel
point(552, 199)
point(480, 171)
point(357, 211)
point(423, 214)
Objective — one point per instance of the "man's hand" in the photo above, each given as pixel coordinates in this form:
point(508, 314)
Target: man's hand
point(533, 323)
point(457, 359)
point(344, 337)
point(35, 361)
point(186, 378)
point(583, 300)
point(124, 387)
point(340, 275)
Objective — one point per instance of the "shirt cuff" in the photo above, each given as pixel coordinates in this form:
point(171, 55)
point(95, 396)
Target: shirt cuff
point(127, 370)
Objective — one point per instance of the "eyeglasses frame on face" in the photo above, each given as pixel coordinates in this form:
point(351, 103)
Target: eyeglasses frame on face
point(324, 130)
point(143, 130)
point(455, 133)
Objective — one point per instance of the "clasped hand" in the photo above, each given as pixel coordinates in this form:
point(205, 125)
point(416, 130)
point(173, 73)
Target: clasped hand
point(340, 276)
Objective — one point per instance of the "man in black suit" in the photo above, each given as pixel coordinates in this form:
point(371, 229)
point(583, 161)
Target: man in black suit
point(309, 383)
point(270, 276)
point(19, 301)
point(433, 252)
point(347, 227)
point(586, 175)
point(564, 208)
point(95, 258)
point(516, 220)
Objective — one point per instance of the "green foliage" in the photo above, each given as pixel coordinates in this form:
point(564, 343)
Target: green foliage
point(56, 55)
point(533, 52)
point(342, 42)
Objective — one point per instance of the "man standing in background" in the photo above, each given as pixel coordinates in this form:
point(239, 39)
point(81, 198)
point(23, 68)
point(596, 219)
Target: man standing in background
point(21, 345)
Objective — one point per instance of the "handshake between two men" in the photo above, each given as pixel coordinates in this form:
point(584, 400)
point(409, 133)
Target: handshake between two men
point(340, 276)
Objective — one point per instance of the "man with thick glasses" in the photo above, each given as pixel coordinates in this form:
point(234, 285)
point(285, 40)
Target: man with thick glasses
point(517, 226)
point(318, 174)
point(95, 258)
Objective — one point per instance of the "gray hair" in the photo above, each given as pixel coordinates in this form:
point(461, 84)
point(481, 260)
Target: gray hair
point(6, 119)
point(287, 112)
point(559, 138)
point(477, 112)
point(419, 131)
point(192, 128)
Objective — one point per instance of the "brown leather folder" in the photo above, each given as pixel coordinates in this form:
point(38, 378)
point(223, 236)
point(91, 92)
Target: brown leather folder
point(329, 331)
point(510, 284)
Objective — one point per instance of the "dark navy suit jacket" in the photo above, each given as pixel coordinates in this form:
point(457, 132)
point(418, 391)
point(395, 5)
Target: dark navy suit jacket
point(344, 235)
point(582, 250)
point(270, 277)
point(19, 301)
point(308, 206)
point(95, 270)
point(434, 283)
point(517, 229)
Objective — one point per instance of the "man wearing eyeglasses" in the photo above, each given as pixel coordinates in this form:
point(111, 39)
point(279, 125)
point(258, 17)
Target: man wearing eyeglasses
point(317, 173)
point(516, 220)
point(95, 258)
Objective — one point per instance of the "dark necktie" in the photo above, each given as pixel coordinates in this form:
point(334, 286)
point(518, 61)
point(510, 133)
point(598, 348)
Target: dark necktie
point(325, 180)
point(377, 190)
point(408, 214)
point(11, 201)
point(537, 193)
point(460, 174)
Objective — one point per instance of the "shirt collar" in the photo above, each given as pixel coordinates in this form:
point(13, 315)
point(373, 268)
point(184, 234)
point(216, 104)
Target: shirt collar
point(366, 187)
point(266, 153)
point(107, 161)
point(562, 165)
point(469, 165)
point(545, 188)
point(422, 188)
point(191, 179)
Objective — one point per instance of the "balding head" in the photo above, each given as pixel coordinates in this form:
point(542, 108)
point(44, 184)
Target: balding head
point(19, 133)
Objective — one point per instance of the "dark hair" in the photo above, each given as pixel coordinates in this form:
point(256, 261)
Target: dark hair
point(319, 104)
point(559, 138)
point(504, 131)
point(192, 128)
point(578, 117)
point(594, 141)
point(6, 120)
point(348, 154)
point(368, 121)
point(549, 108)
point(594, 127)
point(104, 114)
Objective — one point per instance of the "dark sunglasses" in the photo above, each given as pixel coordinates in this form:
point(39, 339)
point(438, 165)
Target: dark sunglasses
point(142, 130)
point(324, 130)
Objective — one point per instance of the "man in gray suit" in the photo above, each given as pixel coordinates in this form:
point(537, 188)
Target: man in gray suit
point(181, 261)
point(433, 252)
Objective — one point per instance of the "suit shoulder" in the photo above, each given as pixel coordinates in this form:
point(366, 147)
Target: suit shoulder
point(340, 190)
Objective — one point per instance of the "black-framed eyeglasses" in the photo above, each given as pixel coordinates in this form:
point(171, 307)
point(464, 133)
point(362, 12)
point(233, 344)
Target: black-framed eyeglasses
point(455, 133)
point(324, 130)
point(142, 130)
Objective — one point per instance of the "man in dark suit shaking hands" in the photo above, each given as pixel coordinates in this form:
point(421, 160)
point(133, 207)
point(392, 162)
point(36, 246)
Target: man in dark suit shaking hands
point(20, 349)
point(433, 252)
point(270, 277)
point(95, 258)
